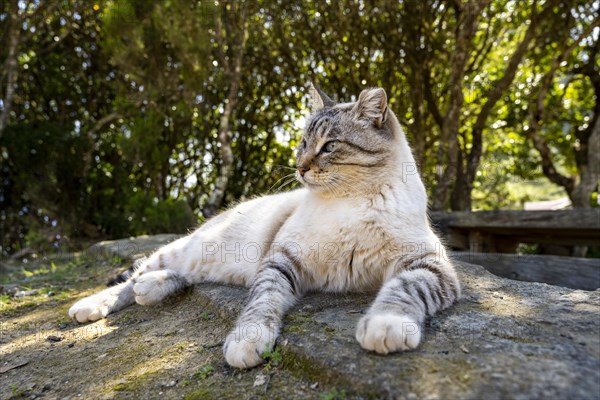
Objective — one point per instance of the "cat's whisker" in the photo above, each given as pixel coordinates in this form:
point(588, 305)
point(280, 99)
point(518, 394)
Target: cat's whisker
point(283, 186)
point(279, 180)
point(333, 187)
point(284, 167)
point(348, 184)
point(290, 181)
point(354, 182)
point(338, 186)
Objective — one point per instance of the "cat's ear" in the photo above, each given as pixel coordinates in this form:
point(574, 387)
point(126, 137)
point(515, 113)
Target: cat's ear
point(319, 99)
point(372, 106)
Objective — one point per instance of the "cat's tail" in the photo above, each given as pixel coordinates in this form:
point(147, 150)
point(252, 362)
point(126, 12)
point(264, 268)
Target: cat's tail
point(128, 273)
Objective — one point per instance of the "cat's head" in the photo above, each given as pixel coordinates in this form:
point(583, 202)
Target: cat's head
point(347, 147)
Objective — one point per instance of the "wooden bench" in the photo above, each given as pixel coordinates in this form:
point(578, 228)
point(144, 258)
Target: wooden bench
point(485, 238)
point(502, 231)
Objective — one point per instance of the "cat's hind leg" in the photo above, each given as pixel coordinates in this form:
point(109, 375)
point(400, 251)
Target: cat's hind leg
point(99, 305)
point(149, 283)
point(153, 286)
point(110, 300)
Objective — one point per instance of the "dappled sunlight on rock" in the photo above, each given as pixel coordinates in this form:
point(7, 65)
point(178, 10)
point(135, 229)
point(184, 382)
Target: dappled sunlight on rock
point(27, 334)
point(504, 337)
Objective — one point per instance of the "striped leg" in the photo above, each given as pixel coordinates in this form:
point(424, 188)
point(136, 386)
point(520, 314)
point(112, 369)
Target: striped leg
point(394, 320)
point(275, 289)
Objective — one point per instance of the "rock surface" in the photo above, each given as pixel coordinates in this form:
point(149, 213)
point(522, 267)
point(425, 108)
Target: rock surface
point(131, 248)
point(504, 339)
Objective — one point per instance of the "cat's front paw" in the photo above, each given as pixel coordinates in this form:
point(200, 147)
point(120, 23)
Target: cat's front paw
point(388, 333)
point(147, 288)
point(89, 309)
point(245, 345)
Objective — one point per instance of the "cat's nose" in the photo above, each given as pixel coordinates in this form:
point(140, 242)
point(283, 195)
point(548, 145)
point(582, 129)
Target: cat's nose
point(303, 170)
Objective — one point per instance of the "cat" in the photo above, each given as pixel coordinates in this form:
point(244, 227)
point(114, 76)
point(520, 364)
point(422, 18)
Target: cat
point(359, 224)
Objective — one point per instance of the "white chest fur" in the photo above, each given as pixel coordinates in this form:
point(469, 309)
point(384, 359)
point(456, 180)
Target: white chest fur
point(347, 243)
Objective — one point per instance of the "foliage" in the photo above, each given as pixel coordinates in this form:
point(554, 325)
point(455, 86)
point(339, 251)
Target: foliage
point(273, 358)
point(333, 394)
point(204, 372)
point(116, 116)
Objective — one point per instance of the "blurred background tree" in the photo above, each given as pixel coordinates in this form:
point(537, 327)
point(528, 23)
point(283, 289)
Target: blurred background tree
point(129, 117)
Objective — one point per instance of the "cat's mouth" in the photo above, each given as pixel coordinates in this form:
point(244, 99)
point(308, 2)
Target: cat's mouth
point(311, 185)
point(306, 180)
point(315, 183)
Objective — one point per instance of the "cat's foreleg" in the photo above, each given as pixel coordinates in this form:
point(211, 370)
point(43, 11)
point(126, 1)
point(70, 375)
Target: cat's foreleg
point(275, 289)
point(394, 321)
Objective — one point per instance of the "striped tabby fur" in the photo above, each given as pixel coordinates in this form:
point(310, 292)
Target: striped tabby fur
point(360, 224)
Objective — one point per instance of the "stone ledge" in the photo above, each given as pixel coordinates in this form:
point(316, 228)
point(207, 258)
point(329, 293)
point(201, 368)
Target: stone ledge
point(131, 248)
point(504, 339)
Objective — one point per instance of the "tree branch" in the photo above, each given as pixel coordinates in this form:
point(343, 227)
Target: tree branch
point(221, 44)
point(468, 15)
point(536, 117)
point(498, 88)
point(549, 76)
point(431, 103)
point(90, 134)
point(482, 51)
point(224, 135)
point(547, 165)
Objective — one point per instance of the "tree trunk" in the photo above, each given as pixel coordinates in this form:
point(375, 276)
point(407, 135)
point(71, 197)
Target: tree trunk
point(590, 172)
point(587, 156)
point(468, 15)
point(217, 196)
point(224, 135)
point(415, 59)
point(417, 128)
point(460, 199)
point(11, 64)
point(461, 196)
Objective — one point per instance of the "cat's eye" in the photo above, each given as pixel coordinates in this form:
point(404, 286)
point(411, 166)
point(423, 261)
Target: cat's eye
point(329, 146)
point(303, 144)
